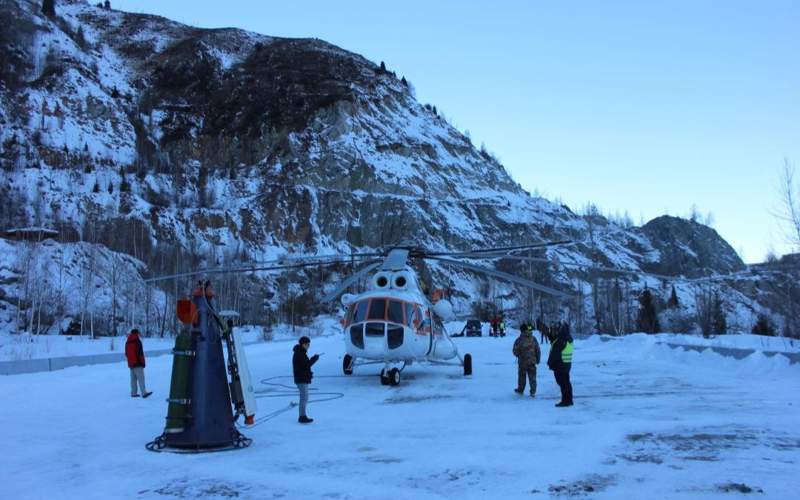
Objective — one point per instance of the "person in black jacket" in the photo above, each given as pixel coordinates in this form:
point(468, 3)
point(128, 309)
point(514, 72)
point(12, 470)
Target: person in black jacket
point(301, 365)
point(560, 361)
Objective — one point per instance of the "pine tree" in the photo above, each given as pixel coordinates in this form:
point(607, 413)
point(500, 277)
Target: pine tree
point(110, 188)
point(49, 8)
point(124, 187)
point(647, 320)
point(383, 67)
point(404, 81)
point(96, 188)
point(673, 302)
point(114, 92)
point(107, 5)
point(81, 37)
point(719, 323)
point(87, 168)
point(764, 326)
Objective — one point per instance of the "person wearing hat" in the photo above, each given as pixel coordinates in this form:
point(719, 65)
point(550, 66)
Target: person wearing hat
point(301, 365)
point(528, 354)
point(560, 361)
point(134, 353)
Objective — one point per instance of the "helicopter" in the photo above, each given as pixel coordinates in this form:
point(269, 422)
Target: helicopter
point(395, 324)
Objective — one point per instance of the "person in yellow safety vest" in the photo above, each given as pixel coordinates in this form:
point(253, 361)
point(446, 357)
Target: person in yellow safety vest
point(560, 361)
point(502, 327)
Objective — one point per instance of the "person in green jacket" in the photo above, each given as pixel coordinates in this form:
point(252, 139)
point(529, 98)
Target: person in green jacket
point(526, 349)
point(560, 361)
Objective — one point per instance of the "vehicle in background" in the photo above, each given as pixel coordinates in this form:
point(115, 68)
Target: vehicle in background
point(472, 328)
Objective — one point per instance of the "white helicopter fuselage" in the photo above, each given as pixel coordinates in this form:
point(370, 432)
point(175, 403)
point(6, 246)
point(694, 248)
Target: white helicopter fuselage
point(395, 322)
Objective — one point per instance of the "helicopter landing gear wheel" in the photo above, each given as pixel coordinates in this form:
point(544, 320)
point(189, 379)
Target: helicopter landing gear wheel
point(347, 364)
point(467, 364)
point(394, 376)
point(384, 377)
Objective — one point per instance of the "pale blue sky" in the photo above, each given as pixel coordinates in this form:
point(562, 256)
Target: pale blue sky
point(642, 106)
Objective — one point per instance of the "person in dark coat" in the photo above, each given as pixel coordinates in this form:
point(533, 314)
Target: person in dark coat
point(560, 361)
point(134, 353)
point(542, 327)
point(301, 365)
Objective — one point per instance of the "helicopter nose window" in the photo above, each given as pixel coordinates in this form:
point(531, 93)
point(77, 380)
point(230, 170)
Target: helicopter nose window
point(400, 281)
point(377, 309)
point(357, 336)
point(382, 281)
point(395, 312)
point(374, 329)
point(394, 336)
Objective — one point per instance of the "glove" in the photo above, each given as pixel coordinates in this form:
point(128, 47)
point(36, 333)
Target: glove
point(314, 358)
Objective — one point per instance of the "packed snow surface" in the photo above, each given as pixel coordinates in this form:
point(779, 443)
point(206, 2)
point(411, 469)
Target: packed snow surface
point(648, 422)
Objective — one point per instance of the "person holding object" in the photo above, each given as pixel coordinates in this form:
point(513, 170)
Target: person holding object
point(528, 354)
point(560, 361)
point(134, 352)
point(301, 365)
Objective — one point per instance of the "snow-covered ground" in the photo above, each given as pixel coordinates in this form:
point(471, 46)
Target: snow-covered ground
point(648, 422)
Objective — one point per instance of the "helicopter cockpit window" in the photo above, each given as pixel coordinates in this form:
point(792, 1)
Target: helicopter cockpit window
point(377, 309)
point(417, 317)
point(395, 312)
point(360, 311)
point(409, 313)
point(426, 325)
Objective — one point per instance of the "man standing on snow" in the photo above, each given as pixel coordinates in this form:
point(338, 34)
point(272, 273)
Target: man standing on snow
point(528, 354)
point(542, 327)
point(134, 352)
point(560, 361)
point(301, 365)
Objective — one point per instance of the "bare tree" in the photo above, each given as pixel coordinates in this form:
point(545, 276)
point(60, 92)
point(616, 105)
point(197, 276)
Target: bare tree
point(790, 203)
point(113, 274)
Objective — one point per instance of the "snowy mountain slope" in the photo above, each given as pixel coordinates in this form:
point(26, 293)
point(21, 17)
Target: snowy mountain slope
point(187, 147)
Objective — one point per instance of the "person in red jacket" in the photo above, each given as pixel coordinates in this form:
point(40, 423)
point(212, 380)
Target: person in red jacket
point(135, 354)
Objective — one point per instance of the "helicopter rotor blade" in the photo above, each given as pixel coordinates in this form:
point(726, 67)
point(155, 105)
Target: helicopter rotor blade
point(502, 275)
point(613, 269)
point(498, 250)
point(350, 280)
point(275, 265)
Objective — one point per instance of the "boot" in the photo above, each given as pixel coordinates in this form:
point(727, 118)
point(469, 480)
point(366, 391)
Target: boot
point(563, 404)
point(146, 394)
point(519, 391)
point(305, 420)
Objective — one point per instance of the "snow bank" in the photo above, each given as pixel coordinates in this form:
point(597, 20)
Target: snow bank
point(26, 346)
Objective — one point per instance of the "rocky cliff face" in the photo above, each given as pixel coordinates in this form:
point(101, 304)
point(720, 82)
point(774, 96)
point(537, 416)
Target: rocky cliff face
point(690, 249)
point(186, 147)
